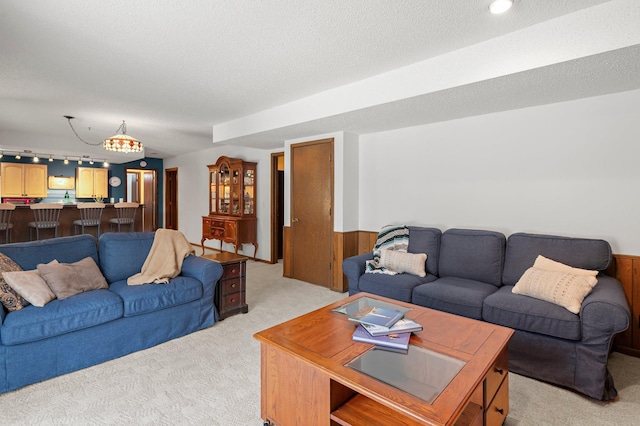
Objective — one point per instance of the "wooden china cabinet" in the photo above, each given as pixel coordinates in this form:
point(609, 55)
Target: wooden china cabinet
point(232, 204)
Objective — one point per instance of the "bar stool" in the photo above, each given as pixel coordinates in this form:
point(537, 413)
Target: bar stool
point(5, 220)
point(46, 216)
point(125, 215)
point(90, 215)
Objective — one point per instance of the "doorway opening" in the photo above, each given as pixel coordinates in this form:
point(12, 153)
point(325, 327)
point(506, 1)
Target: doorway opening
point(277, 206)
point(142, 187)
point(171, 198)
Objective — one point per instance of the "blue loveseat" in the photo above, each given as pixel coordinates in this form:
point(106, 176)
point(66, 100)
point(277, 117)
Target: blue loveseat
point(472, 273)
point(99, 325)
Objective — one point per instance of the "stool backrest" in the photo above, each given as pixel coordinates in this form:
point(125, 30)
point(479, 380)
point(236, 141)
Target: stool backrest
point(48, 213)
point(91, 213)
point(126, 212)
point(6, 209)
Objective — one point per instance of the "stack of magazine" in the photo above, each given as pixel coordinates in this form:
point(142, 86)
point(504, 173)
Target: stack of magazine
point(384, 327)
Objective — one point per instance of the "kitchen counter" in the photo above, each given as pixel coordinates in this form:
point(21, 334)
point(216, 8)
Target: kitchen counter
point(23, 215)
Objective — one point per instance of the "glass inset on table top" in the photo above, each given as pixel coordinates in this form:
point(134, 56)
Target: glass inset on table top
point(355, 306)
point(420, 372)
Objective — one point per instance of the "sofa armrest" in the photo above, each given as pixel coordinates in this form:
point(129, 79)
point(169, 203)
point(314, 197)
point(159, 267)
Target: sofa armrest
point(353, 268)
point(204, 270)
point(605, 311)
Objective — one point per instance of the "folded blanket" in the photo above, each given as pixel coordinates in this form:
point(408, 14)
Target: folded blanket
point(164, 260)
point(390, 237)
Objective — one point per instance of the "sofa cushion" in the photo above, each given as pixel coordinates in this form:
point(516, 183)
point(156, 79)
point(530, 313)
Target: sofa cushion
point(529, 314)
point(398, 287)
point(143, 298)
point(64, 249)
point(68, 279)
point(10, 298)
point(457, 296)
point(398, 261)
point(60, 316)
point(472, 254)
point(523, 249)
point(426, 240)
point(115, 246)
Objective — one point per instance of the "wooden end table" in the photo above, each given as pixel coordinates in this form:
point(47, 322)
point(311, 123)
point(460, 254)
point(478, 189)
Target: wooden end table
point(230, 295)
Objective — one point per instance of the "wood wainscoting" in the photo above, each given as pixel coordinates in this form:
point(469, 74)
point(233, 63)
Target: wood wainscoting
point(345, 244)
point(627, 270)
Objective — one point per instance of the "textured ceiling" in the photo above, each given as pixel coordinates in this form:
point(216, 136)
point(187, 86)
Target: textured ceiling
point(176, 71)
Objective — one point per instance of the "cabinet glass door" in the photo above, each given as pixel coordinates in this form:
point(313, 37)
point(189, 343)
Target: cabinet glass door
point(236, 189)
point(249, 191)
point(224, 189)
point(214, 193)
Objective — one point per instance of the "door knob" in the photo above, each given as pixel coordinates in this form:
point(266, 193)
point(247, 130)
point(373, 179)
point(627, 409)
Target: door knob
point(294, 220)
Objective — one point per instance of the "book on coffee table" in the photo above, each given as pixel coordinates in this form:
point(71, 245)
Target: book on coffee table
point(376, 316)
point(398, 340)
point(403, 325)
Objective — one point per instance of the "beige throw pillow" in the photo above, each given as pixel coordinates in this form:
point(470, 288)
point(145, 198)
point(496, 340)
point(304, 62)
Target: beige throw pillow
point(68, 279)
point(562, 288)
point(400, 261)
point(31, 286)
point(551, 265)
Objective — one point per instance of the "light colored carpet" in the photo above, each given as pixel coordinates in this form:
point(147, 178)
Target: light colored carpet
point(212, 377)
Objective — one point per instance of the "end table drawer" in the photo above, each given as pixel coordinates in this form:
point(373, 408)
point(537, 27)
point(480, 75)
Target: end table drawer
point(495, 376)
point(232, 285)
point(231, 271)
point(231, 301)
point(497, 411)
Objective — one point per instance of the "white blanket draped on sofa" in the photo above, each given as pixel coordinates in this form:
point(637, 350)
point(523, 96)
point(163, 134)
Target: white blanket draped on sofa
point(390, 237)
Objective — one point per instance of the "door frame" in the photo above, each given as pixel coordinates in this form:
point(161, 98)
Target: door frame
point(275, 195)
point(173, 197)
point(154, 212)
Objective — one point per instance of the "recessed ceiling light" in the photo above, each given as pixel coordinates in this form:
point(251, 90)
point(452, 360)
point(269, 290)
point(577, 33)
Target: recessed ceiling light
point(500, 6)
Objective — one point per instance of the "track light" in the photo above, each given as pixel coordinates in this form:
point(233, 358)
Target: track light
point(66, 160)
point(50, 159)
point(79, 161)
point(105, 164)
point(1, 154)
point(18, 156)
point(91, 161)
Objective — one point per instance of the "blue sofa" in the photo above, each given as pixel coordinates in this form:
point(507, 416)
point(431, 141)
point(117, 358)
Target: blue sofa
point(472, 272)
point(100, 325)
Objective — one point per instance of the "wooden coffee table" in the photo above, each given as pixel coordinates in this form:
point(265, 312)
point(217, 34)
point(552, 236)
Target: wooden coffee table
point(306, 381)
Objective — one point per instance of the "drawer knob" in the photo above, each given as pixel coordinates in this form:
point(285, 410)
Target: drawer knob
point(233, 285)
point(233, 300)
point(500, 410)
point(500, 371)
point(233, 270)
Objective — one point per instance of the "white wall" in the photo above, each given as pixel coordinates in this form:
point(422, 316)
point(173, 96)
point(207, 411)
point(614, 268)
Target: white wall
point(571, 168)
point(193, 196)
point(345, 175)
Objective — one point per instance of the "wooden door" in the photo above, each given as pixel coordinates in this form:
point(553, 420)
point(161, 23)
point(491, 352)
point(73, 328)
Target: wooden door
point(312, 212)
point(171, 198)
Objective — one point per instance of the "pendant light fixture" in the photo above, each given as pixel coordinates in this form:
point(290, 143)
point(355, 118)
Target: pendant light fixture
point(120, 142)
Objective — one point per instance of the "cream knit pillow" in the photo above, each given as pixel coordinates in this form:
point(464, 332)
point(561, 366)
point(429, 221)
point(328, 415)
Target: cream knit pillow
point(560, 284)
point(400, 261)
